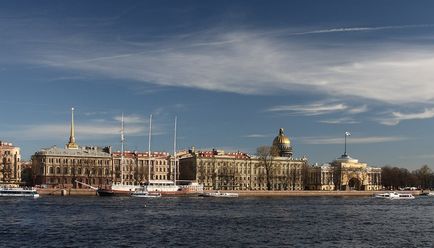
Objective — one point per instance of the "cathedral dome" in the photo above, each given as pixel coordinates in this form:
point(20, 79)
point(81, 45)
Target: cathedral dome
point(282, 144)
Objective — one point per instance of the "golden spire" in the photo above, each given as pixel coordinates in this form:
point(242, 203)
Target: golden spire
point(72, 144)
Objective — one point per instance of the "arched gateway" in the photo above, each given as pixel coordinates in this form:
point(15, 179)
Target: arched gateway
point(354, 184)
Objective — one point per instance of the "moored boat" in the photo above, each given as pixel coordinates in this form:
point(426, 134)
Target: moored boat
point(18, 192)
point(142, 193)
point(394, 195)
point(219, 194)
point(164, 187)
point(430, 193)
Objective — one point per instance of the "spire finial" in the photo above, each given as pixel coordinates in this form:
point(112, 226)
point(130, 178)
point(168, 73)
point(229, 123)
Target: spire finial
point(72, 144)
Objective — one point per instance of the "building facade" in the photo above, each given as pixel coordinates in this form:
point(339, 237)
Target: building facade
point(217, 170)
point(62, 167)
point(136, 169)
point(344, 173)
point(10, 164)
point(274, 168)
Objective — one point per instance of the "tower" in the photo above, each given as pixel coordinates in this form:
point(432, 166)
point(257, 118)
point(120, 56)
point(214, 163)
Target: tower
point(282, 145)
point(72, 144)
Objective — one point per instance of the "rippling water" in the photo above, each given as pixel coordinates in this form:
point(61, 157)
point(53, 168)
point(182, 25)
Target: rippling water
point(216, 222)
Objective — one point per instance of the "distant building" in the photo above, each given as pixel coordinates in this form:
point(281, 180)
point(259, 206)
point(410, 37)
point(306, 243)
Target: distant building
point(218, 170)
point(10, 164)
point(136, 167)
point(62, 167)
point(344, 173)
point(321, 177)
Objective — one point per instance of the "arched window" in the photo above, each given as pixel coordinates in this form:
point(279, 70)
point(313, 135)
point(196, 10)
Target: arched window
point(65, 170)
point(51, 170)
point(57, 170)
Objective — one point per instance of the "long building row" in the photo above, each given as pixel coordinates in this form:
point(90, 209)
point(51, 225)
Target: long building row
point(272, 168)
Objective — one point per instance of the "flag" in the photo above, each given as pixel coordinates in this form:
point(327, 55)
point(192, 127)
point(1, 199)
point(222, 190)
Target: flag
point(347, 134)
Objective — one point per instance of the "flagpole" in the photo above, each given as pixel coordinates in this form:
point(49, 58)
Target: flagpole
point(345, 151)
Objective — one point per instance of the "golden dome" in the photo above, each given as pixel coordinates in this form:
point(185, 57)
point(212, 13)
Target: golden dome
point(281, 139)
point(282, 144)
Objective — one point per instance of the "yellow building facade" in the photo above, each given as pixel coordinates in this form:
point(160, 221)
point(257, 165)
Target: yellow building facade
point(10, 164)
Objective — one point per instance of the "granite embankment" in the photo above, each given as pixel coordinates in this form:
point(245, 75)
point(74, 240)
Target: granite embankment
point(242, 193)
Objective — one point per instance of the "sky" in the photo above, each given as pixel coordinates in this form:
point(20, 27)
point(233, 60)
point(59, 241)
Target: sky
point(233, 72)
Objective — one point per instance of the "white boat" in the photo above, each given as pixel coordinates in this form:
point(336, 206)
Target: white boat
point(162, 186)
point(18, 192)
point(219, 194)
point(143, 193)
point(427, 193)
point(394, 195)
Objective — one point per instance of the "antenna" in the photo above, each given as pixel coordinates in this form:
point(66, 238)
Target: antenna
point(174, 151)
point(122, 149)
point(149, 148)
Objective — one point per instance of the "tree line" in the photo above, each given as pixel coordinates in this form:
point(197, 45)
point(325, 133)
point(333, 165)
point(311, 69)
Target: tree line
point(396, 178)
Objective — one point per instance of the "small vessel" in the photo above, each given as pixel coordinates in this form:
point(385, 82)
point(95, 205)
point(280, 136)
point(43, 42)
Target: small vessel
point(430, 193)
point(162, 186)
point(219, 194)
point(394, 195)
point(144, 193)
point(18, 192)
point(105, 192)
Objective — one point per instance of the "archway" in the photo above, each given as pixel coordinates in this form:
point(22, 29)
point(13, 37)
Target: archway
point(354, 184)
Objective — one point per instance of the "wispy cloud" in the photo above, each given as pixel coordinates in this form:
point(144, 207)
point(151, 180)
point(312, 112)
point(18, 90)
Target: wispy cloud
point(358, 110)
point(353, 140)
point(343, 120)
point(132, 119)
point(397, 117)
point(319, 109)
point(83, 131)
point(359, 29)
point(255, 135)
point(243, 67)
point(233, 61)
point(312, 109)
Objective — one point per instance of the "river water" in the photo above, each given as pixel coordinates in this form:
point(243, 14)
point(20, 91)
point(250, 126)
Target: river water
point(216, 222)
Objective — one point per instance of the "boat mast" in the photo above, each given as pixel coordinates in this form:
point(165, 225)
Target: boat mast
point(174, 152)
point(122, 149)
point(149, 148)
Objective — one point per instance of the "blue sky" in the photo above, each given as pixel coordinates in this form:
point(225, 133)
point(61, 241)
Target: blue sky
point(234, 72)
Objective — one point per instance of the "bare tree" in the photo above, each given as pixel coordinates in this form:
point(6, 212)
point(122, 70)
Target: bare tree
point(266, 156)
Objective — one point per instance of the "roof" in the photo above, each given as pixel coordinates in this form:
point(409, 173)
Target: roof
point(80, 152)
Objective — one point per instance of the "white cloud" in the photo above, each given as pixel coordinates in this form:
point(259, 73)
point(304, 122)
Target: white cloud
point(358, 29)
point(311, 109)
point(251, 63)
point(82, 131)
point(358, 110)
point(343, 120)
point(397, 117)
point(132, 119)
point(257, 136)
point(352, 140)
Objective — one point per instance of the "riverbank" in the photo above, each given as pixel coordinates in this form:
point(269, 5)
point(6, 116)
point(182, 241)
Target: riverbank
point(307, 193)
point(242, 193)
